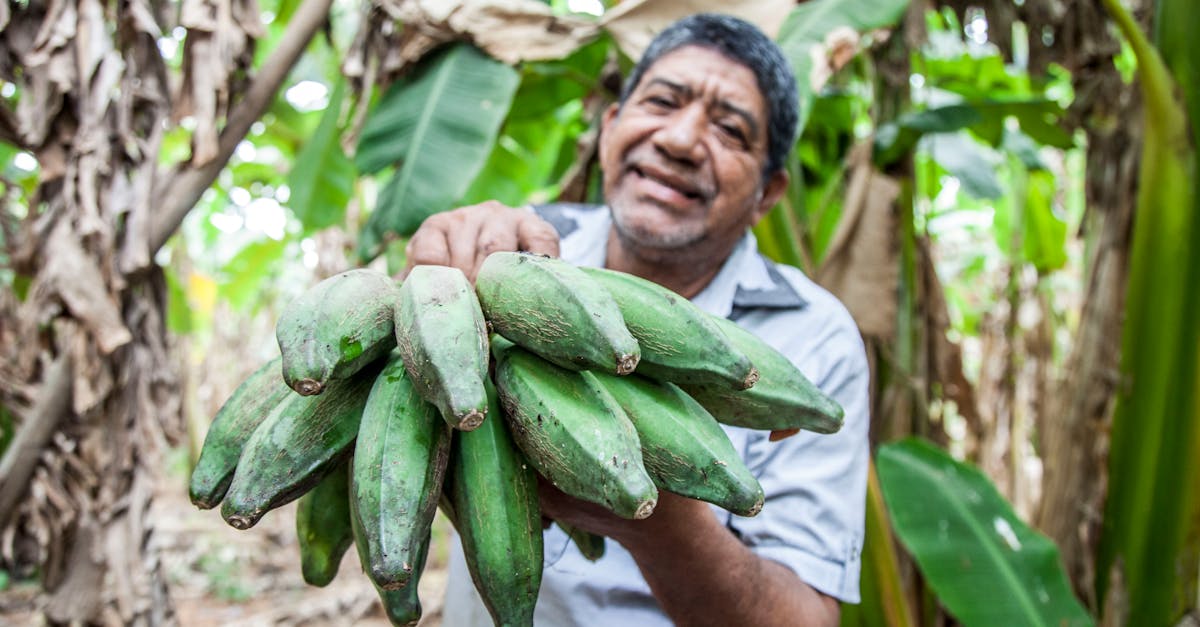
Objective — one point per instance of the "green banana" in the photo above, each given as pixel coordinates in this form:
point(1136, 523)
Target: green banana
point(300, 442)
point(335, 328)
point(399, 465)
point(783, 398)
point(442, 337)
point(403, 607)
point(238, 417)
point(494, 501)
point(553, 309)
point(590, 545)
point(679, 341)
point(323, 526)
point(683, 447)
point(573, 432)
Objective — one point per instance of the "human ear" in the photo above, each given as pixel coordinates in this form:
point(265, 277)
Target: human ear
point(772, 191)
point(610, 114)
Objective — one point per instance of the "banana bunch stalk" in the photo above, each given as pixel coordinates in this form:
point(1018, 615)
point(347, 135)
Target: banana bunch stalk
point(389, 400)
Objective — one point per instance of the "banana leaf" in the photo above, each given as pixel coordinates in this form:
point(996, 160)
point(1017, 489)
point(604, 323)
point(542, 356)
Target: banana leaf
point(438, 127)
point(322, 177)
point(985, 565)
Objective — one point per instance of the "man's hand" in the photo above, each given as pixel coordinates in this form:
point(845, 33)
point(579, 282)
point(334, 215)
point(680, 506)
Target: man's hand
point(698, 570)
point(464, 237)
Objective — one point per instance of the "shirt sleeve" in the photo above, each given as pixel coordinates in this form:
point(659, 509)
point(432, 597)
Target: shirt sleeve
point(815, 485)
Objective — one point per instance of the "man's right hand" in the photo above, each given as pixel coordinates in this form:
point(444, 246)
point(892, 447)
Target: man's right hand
point(464, 237)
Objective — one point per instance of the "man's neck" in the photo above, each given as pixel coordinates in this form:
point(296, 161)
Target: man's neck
point(682, 274)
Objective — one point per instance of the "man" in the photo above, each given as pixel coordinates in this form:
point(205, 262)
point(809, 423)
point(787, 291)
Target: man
point(692, 156)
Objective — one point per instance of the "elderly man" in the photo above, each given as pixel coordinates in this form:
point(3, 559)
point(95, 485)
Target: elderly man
point(692, 157)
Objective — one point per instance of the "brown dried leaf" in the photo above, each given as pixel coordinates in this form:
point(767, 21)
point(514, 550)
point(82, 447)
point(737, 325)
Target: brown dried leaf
point(635, 22)
point(72, 275)
point(49, 65)
point(862, 265)
point(509, 30)
point(839, 47)
point(78, 597)
point(219, 48)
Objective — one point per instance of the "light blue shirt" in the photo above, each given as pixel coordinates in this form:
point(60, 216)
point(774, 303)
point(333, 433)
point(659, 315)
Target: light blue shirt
point(815, 485)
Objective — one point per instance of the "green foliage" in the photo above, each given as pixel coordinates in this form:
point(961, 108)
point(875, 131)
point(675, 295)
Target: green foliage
point(438, 126)
point(179, 312)
point(546, 86)
point(523, 165)
point(249, 270)
point(322, 177)
point(986, 566)
point(984, 118)
point(224, 573)
point(8, 428)
point(811, 22)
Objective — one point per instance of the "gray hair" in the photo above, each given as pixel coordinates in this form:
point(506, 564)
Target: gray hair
point(743, 42)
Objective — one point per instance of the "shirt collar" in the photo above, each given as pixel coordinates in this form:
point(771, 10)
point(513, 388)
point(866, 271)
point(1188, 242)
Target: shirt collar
point(747, 280)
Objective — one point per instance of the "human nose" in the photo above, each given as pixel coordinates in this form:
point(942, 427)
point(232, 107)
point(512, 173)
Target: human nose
point(679, 137)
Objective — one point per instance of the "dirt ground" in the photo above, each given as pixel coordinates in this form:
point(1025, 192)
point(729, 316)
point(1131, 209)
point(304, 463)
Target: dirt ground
point(219, 576)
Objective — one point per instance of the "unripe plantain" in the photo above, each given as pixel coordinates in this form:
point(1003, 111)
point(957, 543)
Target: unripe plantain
point(590, 545)
point(782, 399)
point(396, 479)
point(442, 337)
point(300, 442)
point(554, 310)
point(403, 606)
point(493, 499)
point(323, 528)
point(683, 447)
point(573, 432)
point(335, 328)
point(679, 341)
point(246, 409)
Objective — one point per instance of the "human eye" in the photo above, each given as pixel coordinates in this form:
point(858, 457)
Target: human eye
point(733, 132)
point(661, 101)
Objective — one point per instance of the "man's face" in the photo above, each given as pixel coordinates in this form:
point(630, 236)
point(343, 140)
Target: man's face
point(683, 157)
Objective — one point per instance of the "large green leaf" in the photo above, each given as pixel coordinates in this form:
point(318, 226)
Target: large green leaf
point(972, 163)
point(810, 22)
point(438, 126)
point(322, 178)
point(986, 566)
point(884, 603)
point(1045, 239)
point(985, 118)
point(523, 160)
point(548, 85)
point(1150, 543)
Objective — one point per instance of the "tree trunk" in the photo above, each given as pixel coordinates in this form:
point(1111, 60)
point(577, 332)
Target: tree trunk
point(85, 359)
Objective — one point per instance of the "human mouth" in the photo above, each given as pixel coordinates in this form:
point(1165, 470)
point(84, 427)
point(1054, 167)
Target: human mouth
point(666, 186)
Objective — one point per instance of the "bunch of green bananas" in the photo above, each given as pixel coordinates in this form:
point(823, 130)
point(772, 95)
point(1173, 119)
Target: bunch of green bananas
point(389, 400)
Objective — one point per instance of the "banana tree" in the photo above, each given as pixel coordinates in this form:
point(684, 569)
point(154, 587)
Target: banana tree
point(1149, 552)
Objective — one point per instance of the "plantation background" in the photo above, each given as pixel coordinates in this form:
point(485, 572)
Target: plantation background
point(1004, 193)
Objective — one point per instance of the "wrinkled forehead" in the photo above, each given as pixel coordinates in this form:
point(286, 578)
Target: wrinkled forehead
point(700, 71)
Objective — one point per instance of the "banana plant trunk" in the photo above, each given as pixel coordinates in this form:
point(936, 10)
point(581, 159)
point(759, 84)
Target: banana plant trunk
point(86, 365)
